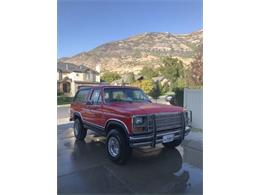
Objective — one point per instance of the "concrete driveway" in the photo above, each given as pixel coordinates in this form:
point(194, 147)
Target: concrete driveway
point(83, 167)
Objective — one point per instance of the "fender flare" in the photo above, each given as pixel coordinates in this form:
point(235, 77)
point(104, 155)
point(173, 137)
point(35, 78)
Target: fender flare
point(118, 123)
point(77, 114)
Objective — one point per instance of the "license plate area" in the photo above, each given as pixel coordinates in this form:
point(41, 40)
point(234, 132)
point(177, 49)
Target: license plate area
point(168, 138)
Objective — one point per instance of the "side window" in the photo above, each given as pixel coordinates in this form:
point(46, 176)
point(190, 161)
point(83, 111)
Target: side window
point(82, 96)
point(96, 98)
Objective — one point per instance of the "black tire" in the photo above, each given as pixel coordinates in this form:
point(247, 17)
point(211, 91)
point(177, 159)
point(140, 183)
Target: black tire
point(173, 144)
point(124, 152)
point(79, 131)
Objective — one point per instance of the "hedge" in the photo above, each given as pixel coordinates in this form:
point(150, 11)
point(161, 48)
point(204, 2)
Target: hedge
point(64, 100)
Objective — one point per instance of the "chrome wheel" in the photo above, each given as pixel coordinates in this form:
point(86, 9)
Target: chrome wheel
point(113, 146)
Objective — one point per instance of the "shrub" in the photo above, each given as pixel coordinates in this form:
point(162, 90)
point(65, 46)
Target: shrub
point(110, 76)
point(179, 96)
point(64, 100)
point(156, 91)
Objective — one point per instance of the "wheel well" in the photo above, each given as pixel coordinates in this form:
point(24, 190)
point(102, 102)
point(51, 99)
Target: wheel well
point(76, 116)
point(114, 125)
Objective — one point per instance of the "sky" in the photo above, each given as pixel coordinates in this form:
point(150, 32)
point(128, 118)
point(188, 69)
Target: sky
point(86, 24)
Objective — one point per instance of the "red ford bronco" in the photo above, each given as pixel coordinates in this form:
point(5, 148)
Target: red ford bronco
point(127, 117)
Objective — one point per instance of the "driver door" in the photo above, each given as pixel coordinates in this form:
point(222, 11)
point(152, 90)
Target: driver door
point(95, 108)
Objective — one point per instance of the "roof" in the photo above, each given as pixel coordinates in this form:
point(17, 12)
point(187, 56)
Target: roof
point(139, 77)
point(69, 67)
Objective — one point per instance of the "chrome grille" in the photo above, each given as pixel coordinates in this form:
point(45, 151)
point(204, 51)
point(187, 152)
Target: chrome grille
point(168, 121)
point(150, 123)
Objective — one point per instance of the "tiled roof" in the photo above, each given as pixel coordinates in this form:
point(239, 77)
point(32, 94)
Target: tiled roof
point(69, 67)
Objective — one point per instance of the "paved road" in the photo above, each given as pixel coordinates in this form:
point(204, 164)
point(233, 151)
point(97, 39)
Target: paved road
point(83, 167)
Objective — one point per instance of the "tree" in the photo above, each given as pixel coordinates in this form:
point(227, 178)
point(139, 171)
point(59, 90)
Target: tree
point(110, 76)
point(164, 88)
point(173, 70)
point(196, 69)
point(148, 72)
point(156, 91)
point(145, 85)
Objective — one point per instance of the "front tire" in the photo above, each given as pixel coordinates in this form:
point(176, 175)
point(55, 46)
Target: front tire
point(79, 131)
point(117, 147)
point(173, 144)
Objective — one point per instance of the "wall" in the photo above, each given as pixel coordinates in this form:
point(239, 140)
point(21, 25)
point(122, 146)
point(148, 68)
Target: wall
point(193, 100)
point(98, 69)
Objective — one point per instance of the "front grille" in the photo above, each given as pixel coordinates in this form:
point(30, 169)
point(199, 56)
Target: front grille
point(168, 121)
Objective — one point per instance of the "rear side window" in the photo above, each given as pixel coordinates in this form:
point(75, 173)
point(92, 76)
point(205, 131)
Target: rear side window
point(82, 96)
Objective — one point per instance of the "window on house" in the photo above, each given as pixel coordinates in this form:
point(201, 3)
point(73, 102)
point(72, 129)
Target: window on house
point(66, 87)
point(86, 76)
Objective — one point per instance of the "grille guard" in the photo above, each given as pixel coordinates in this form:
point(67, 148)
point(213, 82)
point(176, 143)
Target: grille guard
point(156, 137)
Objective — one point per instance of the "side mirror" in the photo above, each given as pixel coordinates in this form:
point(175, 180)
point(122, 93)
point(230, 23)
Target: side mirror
point(168, 98)
point(171, 99)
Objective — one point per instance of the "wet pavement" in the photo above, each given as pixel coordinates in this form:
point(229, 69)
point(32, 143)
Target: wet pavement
point(83, 167)
point(63, 111)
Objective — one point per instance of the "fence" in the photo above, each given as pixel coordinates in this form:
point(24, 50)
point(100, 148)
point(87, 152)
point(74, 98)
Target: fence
point(193, 100)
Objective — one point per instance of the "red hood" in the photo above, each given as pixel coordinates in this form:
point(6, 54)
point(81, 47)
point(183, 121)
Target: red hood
point(144, 108)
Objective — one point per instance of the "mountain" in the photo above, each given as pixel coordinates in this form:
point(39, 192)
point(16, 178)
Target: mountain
point(147, 49)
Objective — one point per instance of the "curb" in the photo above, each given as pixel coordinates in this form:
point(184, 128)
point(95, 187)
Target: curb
point(65, 105)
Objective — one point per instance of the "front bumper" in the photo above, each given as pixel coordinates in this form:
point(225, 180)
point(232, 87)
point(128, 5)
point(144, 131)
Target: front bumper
point(151, 139)
point(187, 130)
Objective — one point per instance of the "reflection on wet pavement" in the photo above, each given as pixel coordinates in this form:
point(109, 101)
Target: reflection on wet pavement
point(83, 167)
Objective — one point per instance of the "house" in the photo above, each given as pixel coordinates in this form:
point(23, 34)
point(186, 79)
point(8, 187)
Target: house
point(70, 77)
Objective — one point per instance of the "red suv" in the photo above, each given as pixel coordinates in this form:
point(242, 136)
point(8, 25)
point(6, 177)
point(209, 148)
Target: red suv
point(128, 118)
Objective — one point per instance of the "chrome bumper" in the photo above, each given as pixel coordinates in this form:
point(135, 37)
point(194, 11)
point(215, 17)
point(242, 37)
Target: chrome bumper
point(187, 130)
point(151, 139)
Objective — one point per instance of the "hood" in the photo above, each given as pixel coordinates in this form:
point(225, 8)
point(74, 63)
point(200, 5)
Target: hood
point(144, 108)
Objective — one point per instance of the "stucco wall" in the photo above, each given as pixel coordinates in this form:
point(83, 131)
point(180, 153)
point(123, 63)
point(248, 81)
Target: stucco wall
point(193, 100)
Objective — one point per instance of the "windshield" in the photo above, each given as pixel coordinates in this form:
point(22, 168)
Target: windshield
point(124, 95)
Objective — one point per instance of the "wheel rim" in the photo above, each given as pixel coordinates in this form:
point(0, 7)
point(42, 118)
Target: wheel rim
point(113, 146)
point(76, 128)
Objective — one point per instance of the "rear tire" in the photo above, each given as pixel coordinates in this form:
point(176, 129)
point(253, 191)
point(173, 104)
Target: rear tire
point(173, 144)
point(117, 147)
point(79, 131)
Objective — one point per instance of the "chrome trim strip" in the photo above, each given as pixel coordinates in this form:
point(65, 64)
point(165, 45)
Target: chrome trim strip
point(142, 143)
point(140, 137)
point(94, 124)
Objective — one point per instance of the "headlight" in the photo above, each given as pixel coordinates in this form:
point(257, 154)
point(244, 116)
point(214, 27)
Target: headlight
point(138, 120)
point(140, 124)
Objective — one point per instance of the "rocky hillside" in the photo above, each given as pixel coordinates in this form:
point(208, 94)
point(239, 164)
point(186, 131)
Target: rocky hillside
point(131, 54)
